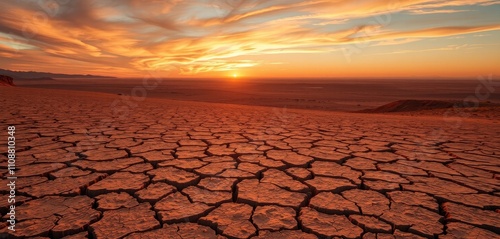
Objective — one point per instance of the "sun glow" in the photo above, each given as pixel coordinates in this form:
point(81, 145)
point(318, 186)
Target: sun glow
point(235, 75)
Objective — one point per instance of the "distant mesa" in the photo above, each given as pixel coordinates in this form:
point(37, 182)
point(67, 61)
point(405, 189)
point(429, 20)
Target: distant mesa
point(411, 105)
point(40, 78)
point(6, 81)
point(34, 75)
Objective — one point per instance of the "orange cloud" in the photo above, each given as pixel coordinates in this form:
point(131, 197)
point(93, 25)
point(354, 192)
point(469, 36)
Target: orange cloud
point(191, 37)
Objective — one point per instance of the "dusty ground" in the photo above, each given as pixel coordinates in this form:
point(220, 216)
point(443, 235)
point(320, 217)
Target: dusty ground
point(331, 95)
point(93, 167)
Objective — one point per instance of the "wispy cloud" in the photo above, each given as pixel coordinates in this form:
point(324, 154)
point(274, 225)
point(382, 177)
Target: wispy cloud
point(435, 11)
point(446, 48)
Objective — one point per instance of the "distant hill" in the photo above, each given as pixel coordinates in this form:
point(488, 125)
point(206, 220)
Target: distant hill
point(410, 105)
point(44, 75)
point(418, 105)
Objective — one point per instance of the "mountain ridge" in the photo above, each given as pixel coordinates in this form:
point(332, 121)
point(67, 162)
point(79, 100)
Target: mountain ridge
point(45, 75)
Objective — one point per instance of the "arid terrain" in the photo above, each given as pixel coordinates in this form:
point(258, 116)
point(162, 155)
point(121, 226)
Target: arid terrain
point(327, 94)
point(101, 165)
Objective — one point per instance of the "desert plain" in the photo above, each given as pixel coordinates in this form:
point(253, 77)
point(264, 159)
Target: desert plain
point(109, 165)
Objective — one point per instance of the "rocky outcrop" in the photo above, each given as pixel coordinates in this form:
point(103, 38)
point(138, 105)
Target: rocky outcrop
point(6, 81)
point(410, 105)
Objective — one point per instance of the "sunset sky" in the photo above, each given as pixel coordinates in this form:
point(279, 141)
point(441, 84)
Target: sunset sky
point(253, 38)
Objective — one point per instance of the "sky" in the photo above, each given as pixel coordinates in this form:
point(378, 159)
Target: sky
point(253, 38)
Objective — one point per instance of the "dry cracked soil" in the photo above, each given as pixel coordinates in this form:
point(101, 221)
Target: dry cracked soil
point(92, 165)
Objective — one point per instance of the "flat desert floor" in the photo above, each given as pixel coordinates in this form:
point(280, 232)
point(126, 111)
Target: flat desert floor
point(327, 95)
point(98, 165)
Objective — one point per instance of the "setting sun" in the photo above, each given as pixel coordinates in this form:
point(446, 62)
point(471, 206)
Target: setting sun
point(235, 75)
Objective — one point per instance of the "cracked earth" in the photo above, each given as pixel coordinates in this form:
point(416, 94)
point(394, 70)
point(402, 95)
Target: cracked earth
point(173, 169)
